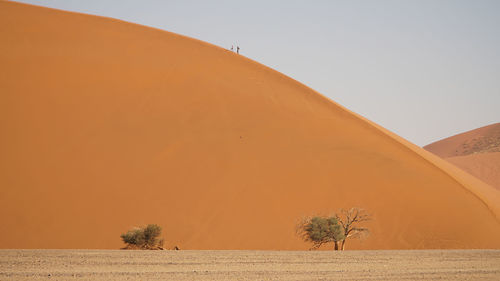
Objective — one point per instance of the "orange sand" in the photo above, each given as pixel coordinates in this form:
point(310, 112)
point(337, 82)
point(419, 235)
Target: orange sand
point(476, 152)
point(482, 140)
point(106, 125)
point(484, 166)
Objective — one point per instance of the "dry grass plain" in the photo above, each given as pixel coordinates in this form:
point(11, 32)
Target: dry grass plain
point(249, 265)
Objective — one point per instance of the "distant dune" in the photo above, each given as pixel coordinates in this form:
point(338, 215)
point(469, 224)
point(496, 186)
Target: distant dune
point(106, 125)
point(481, 140)
point(476, 151)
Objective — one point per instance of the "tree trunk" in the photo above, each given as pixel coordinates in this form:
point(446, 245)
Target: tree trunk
point(336, 245)
point(343, 245)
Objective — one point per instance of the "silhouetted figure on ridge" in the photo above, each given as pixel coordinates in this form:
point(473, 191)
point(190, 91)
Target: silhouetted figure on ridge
point(237, 49)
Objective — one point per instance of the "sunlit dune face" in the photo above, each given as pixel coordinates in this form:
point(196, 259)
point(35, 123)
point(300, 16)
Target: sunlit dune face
point(107, 125)
point(484, 166)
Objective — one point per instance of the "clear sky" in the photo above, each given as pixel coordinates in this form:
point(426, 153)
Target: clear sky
point(425, 69)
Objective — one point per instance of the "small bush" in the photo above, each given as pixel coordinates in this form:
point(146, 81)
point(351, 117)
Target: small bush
point(143, 238)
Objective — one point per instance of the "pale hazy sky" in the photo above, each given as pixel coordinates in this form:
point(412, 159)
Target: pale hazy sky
point(422, 69)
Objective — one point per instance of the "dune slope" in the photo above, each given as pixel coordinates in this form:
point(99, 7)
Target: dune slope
point(484, 166)
point(481, 140)
point(476, 152)
point(106, 125)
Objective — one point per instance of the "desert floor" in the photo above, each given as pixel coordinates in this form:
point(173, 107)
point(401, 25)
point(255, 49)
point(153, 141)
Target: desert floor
point(249, 265)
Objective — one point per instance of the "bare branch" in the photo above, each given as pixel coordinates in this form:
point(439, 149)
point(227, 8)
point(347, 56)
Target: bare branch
point(349, 219)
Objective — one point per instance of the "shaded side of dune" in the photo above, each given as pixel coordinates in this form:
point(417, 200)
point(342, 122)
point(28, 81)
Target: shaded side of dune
point(481, 140)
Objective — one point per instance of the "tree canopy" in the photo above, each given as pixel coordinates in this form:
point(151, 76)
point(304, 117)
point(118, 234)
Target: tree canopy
point(322, 230)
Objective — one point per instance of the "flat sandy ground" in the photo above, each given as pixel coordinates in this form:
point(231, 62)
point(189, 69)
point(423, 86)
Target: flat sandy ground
point(249, 265)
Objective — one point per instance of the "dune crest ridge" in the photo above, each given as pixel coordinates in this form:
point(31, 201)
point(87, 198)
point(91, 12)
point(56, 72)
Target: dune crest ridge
point(107, 125)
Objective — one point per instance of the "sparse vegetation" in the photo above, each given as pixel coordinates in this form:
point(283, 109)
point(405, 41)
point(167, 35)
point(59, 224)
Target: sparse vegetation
point(334, 229)
point(145, 238)
point(322, 230)
point(350, 220)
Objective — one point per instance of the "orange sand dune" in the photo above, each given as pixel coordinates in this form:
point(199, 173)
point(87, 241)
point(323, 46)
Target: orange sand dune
point(481, 140)
point(484, 166)
point(106, 125)
point(476, 152)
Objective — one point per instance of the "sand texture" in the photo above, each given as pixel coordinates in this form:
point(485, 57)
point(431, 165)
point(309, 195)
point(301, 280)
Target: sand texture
point(249, 265)
point(484, 166)
point(481, 140)
point(476, 152)
point(106, 125)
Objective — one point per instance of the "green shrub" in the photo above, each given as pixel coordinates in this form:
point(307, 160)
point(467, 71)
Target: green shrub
point(143, 237)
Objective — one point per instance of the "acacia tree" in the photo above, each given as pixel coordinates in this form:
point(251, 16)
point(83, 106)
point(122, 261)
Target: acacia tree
point(336, 228)
point(349, 221)
point(321, 230)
